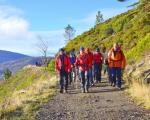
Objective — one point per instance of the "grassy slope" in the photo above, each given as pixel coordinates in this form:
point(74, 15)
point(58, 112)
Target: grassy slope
point(132, 30)
point(23, 94)
point(128, 28)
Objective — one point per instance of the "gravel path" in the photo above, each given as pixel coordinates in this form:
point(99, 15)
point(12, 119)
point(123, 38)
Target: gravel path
point(102, 103)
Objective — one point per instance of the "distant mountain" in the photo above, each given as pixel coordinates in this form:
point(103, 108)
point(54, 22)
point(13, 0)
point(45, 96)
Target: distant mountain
point(6, 56)
point(16, 65)
point(15, 61)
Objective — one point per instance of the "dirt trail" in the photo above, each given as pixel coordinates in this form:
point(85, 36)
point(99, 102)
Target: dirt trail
point(102, 103)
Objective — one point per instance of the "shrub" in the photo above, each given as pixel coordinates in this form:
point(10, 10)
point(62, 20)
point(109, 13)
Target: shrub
point(7, 74)
point(51, 65)
point(109, 31)
point(142, 46)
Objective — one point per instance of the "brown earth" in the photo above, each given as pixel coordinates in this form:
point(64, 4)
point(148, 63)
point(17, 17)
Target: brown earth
point(103, 102)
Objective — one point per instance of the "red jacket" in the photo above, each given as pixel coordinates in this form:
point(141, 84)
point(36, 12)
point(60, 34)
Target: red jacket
point(90, 58)
point(82, 62)
point(98, 58)
point(58, 63)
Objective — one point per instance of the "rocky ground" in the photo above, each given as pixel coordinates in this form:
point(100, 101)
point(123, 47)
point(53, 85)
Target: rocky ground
point(104, 102)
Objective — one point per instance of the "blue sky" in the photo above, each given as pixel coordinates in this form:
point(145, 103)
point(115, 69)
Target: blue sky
point(21, 21)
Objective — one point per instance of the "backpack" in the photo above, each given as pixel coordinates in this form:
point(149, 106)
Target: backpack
point(106, 61)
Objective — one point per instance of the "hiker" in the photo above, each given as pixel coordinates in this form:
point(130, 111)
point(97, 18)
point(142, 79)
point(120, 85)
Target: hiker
point(107, 70)
point(98, 60)
point(73, 69)
point(90, 71)
point(117, 62)
point(77, 69)
point(83, 63)
point(69, 72)
point(106, 66)
point(62, 66)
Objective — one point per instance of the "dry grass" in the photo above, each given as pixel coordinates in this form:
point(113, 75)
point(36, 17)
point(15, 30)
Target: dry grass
point(140, 93)
point(24, 103)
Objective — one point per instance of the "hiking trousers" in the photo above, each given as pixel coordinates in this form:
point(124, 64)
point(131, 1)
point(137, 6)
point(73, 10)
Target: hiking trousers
point(97, 71)
point(116, 76)
point(70, 77)
point(84, 80)
point(63, 80)
point(90, 76)
point(110, 75)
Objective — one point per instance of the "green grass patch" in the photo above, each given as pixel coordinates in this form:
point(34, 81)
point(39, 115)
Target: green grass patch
point(24, 93)
point(129, 29)
point(142, 46)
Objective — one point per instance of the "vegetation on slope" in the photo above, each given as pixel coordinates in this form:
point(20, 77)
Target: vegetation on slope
point(22, 95)
point(142, 46)
point(138, 78)
point(128, 29)
point(132, 31)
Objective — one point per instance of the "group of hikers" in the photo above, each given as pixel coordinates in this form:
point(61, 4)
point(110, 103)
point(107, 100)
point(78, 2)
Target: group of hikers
point(86, 66)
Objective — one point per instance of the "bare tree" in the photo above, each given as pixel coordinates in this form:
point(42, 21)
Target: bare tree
point(43, 47)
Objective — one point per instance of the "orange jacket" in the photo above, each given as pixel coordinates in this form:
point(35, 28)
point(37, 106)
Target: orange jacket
point(116, 59)
point(58, 63)
point(82, 62)
point(90, 58)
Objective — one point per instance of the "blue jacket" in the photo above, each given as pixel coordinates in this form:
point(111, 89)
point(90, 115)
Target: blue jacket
point(73, 59)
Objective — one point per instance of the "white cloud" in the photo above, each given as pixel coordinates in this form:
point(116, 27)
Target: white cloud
point(89, 20)
point(12, 24)
point(12, 27)
point(16, 36)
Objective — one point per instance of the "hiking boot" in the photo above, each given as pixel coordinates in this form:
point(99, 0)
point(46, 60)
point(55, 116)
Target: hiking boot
point(119, 88)
point(65, 91)
point(61, 91)
point(83, 90)
point(86, 91)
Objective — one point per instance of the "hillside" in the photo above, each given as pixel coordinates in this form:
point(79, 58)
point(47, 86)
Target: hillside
point(6, 56)
point(22, 95)
point(131, 29)
point(33, 92)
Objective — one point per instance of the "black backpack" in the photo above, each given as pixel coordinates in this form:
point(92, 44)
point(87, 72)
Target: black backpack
point(106, 61)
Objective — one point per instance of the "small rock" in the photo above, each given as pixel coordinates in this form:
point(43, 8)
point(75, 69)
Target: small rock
point(22, 91)
point(140, 63)
point(131, 70)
